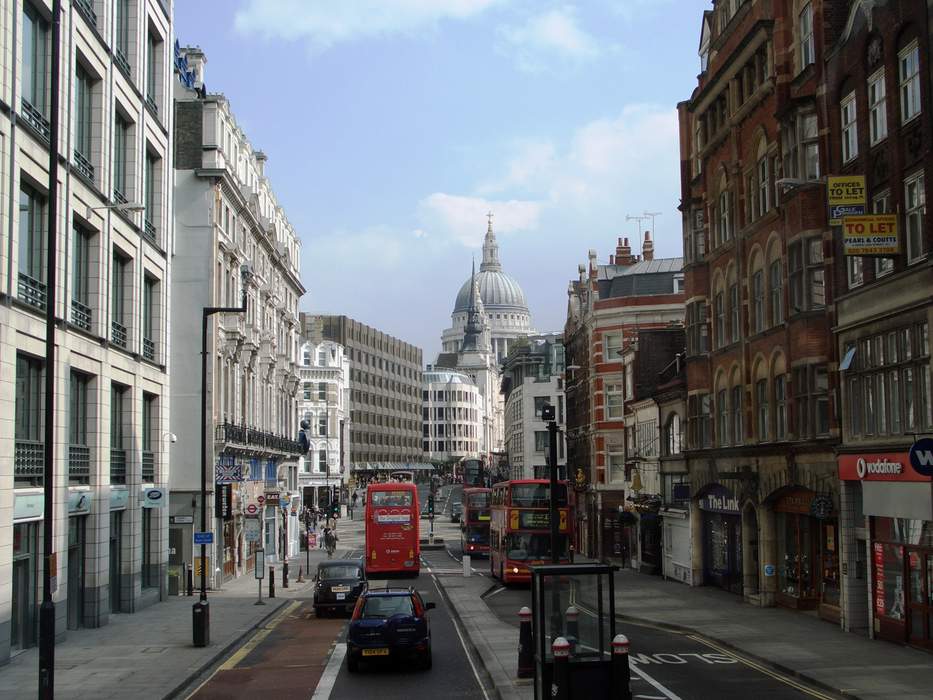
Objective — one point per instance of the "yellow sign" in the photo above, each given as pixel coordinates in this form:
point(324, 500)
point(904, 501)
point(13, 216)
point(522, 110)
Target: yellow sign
point(513, 518)
point(563, 520)
point(875, 234)
point(197, 567)
point(846, 196)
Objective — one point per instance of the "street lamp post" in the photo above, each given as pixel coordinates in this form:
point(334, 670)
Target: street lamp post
point(548, 414)
point(200, 618)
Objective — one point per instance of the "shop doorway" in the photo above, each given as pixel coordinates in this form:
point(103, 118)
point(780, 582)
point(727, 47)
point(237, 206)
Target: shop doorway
point(25, 575)
point(920, 597)
point(722, 539)
point(116, 559)
point(76, 559)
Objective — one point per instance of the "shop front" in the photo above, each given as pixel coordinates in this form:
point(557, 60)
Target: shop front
point(807, 552)
point(722, 538)
point(897, 497)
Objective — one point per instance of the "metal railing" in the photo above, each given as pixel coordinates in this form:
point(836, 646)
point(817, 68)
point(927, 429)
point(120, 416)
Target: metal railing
point(118, 196)
point(79, 464)
point(117, 466)
point(80, 315)
point(86, 8)
point(28, 463)
point(148, 467)
point(122, 62)
point(32, 291)
point(149, 231)
point(240, 434)
point(118, 333)
point(151, 104)
point(149, 349)
point(83, 165)
point(35, 119)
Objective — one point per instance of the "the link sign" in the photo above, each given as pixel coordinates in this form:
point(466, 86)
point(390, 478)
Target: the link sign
point(875, 234)
point(846, 197)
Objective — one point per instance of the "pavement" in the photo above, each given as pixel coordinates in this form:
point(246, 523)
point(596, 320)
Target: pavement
point(149, 654)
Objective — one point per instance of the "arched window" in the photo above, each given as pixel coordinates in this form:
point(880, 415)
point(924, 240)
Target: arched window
point(738, 414)
point(763, 198)
point(775, 284)
point(757, 287)
point(735, 305)
point(762, 413)
point(723, 213)
point(723, 424)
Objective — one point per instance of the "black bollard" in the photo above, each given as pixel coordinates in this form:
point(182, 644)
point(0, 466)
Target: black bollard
point(285, 574)
point(272, 582)
point(572, 616)
point(190, 580)
point(560, 683)
point(621, 672)
point(526, 652)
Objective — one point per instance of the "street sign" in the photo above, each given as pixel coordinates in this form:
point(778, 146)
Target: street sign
point(260, 500)
point(251, 509)
point(182, 519)
point(204, 538)
point(252, 529)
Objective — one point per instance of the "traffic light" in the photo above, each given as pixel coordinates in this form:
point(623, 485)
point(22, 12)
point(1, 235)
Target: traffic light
point(335, 509)
point(431, 505)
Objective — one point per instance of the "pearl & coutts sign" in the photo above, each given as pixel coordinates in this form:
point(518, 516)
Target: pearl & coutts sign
point(892, 466)
point(873, 234)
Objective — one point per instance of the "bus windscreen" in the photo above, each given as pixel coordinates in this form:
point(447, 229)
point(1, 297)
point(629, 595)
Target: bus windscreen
point(537, 495)
point(527, 546)
point(395, 499)
point(478, 500)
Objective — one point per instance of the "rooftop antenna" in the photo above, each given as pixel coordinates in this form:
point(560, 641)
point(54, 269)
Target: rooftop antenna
point(637, 219)
point(652, 215)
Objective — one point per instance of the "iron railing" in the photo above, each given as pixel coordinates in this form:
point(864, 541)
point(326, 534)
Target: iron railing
point(118, 333)
point(151, 104)
point(83, 165)
point(86, 8)
point(241, 434)
point(117, 466)
point(36, 119)
point(148, 467)
point(32, 291)
point(149, 349)
point(122, 63)
point(149, 231)
point(118, 196)
point(79, 464)
point(80, 315)
point(28, 463)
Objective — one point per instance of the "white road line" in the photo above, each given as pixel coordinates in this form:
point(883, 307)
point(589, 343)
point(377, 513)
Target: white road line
point(466, 651)
point(657, 686)
point(326, 685)
point(498, 590)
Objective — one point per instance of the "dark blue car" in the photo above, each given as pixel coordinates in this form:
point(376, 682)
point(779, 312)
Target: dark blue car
point(389, 624)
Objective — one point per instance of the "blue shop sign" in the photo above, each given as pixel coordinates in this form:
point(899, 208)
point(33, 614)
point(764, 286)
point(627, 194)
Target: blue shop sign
point(921, 456)
point(719, 499)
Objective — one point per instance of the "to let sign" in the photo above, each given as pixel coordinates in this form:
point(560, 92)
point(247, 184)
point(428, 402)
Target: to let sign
point(846, 197)
point(875, 234)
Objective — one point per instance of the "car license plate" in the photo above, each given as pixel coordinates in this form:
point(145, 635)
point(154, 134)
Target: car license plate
point(375, 652)
point(341, 596)
point(340, 589)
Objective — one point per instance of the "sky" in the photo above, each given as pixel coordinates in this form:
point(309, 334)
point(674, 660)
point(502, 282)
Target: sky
point(393, 126)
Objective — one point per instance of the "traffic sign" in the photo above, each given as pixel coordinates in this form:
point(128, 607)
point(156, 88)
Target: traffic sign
point(204, 538)
point(260, 500)
point(251, 509)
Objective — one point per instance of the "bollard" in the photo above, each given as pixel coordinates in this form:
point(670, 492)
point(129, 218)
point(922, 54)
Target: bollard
point(190, 580)
point(572, 616)
point(272, 582)
point(560, 681)
point(285, 574)
point(526, 652)
point(621, 672)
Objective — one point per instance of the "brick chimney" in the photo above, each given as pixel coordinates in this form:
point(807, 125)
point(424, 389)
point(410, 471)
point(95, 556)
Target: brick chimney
point(624, 253)
point(647, 248)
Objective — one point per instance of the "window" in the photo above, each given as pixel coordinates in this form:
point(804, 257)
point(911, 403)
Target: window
point(763, 186)
point(153, 51)
point(614, 398)
point(29, 406)
point(31, 247)
point(322, 391)
point(800, 146)
point(322, 461)
point(35, 69)
point(734, 311)
point(724, 217)
point(854, 273)
point(152, 202)
point(612, 345)
point(120, 157)
point(805, 27)
point(881, 204)
point(673, 438)
point(738, 433)
point(122, 33)
point(541, 441)
point(806, 275)
point(117, 413)
point(77, 409)
point(83, 120)
point(307, 391)
point(720, 311)
point(914, 210)
point(540, 401)
point(780, 407)
point(849, 128)
point(758, 301)
point(616, 467)
point(149, 580)
point(761, 401)
point(908, 62)
point(696, 243)
point(697, 329)
point(699, 417)
point(776, 290)
point(149, 323)
point(322, 424)
point(877, 108)
point(117, 296)
point(811, 394)
point(723, 423)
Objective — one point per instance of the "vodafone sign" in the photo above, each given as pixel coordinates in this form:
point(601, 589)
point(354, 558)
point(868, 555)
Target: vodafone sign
point(879, 467)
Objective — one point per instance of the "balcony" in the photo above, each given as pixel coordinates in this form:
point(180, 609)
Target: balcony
point(260, 440)
point(28, 463)
point(83, 166)
point(86, 9)
point(119, 57)
point(79, 465)
point(31, 291)
point(151, 104)
point(117, 466)
point(118, 334)
point(35, 119)
point(118, 196)
point(80, 315)
point(148, 467)
point(150, 232)
point(149, 349)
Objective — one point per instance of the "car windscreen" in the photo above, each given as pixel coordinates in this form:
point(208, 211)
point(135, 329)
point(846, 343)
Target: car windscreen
point(387, 606)
point(329, 573)
point(391, 498)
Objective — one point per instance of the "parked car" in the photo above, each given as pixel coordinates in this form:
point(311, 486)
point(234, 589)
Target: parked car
point(389, 624)
point(456, 511)
point(338, 585)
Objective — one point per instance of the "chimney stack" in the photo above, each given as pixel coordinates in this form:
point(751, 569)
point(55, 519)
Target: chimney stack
point(624, 253)
point(647, 248)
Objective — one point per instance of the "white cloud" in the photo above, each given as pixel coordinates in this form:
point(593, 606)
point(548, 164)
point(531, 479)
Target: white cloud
point(461, 217)
point(324, 23)
point(553, 34)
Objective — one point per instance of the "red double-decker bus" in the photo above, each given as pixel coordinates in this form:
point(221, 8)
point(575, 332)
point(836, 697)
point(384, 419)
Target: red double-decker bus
point(392, 519)
point(519, 531)
point(474, 525)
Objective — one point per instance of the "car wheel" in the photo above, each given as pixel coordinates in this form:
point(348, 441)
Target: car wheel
point(352, 665)
point(426, 661)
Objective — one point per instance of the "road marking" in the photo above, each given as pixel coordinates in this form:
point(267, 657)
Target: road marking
point(466, 651)
point(325, 685)
point(498, 590)
point(657, 686)
point(251, 644)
